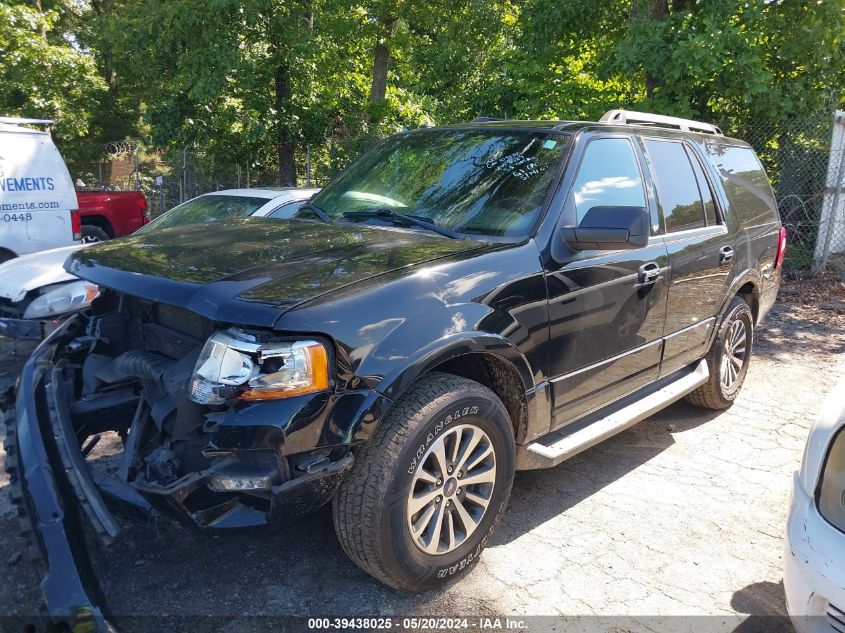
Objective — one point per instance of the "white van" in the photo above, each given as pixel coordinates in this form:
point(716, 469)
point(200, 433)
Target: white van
point(38, 208)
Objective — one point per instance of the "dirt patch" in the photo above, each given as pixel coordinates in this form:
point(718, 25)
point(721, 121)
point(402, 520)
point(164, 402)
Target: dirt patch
point(817, 299)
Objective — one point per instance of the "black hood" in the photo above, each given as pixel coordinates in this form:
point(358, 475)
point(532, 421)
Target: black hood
point(250, 271)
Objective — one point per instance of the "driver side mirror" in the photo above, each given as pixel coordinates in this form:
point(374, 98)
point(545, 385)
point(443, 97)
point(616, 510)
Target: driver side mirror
point(609, 229)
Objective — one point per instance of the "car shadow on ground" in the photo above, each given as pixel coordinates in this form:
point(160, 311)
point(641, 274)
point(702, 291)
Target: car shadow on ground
point(765, 604)
point(541, 495)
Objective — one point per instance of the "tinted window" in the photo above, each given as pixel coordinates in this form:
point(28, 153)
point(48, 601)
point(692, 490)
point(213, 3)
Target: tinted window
point(286, 210)
point(704, 189)
point(608, 176)
point(485, 182)
point(210, 208)
point(744, 181)
point(677, 188)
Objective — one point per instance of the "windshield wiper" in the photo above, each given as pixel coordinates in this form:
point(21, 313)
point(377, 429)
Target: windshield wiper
point(394, 216)
point(321, 215)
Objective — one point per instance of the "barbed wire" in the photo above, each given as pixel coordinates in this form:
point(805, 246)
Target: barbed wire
point(116, 150)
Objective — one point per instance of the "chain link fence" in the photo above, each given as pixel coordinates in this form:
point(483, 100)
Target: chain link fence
point(804, 157)
point(805, 160)
point(166, 183)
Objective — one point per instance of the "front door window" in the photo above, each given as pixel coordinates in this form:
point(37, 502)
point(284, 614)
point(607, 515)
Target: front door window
point(608, 176)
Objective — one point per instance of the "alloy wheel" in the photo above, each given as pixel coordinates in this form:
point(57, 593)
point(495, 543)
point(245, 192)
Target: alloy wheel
point(451, 490)
point(734, 353)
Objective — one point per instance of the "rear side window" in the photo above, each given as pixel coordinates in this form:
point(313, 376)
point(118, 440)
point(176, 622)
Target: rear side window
point(207, 208)
point(608, 176)
point(677, 186)
point(704, 189)
point(744, 181)
point(287, 210)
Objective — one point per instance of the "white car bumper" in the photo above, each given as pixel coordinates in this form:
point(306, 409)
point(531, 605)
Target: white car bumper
point(814, 567)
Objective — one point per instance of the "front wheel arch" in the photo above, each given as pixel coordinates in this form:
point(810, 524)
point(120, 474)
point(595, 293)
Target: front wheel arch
point(490, 360)
point(498, 375)
point(436, 354)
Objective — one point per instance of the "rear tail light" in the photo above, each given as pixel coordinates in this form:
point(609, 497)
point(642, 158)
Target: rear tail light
point(781, 252)
point(76, 224)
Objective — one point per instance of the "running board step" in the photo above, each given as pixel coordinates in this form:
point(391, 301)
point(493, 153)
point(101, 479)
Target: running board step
point(558, 447)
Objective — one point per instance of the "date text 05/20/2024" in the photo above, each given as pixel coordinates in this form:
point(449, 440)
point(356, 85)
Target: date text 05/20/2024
point(430, 624)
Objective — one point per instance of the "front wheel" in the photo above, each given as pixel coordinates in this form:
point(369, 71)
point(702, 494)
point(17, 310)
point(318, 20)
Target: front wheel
point(727, 359)
point(426, 492)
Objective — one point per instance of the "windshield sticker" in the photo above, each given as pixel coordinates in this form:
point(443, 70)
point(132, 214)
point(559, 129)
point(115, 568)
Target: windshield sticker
point(549, 144)
point(515, 165)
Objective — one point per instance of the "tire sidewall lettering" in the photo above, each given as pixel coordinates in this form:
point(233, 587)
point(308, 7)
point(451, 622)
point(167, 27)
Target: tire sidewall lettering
point(451, 570)
point(443, 422)
point(397, 546)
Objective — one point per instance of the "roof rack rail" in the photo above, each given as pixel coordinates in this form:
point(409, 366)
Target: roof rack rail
point(629, 117)
point(14, 120)
point(485, 119)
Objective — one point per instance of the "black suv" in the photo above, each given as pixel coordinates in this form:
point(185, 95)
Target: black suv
point(461, 303)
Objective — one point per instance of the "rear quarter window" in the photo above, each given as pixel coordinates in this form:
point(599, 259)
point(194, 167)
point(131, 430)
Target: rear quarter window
point(744, 181)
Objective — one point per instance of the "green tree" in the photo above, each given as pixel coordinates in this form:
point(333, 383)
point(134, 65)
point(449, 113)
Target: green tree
point(736, 61)
point(45, 73)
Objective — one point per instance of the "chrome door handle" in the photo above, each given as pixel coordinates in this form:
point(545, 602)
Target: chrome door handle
point(726, 255)
point(649, 273)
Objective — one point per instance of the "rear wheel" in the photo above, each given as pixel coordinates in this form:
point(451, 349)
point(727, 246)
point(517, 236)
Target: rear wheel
point(727, 359)
point(6, 255)
point(92, 234)
point(426, 492)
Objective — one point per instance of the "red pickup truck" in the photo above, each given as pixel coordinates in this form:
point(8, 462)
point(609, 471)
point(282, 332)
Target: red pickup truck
point(108, 214)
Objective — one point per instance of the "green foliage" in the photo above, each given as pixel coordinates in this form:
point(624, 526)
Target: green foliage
point(736, 62)
point(43, 74)
point(244, 84)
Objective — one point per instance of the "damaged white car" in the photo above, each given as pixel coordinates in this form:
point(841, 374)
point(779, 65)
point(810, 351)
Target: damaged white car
point(37, 293)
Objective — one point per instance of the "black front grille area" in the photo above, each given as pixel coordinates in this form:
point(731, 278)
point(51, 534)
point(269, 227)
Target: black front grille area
point(165, 329)
point(836, 618)
point(182, 321)
point(167, 341)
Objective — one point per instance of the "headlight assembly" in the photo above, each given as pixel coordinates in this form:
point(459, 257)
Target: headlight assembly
point(234, 363)
point(69, 297)
point(832, 491)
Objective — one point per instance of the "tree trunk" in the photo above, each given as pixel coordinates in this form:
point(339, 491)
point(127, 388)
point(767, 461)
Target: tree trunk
point(659, 11)
point(381, 62)
point(41, 30)
point(284, 143)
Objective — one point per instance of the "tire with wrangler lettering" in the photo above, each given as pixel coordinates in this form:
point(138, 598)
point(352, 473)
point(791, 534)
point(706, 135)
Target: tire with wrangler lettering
point(426, 492)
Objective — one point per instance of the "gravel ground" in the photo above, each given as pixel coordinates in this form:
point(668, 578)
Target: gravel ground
point(683, 514)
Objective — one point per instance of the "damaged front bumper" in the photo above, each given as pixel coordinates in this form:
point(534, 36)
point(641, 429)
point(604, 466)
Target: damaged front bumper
point(54, 487)
point(43, 488)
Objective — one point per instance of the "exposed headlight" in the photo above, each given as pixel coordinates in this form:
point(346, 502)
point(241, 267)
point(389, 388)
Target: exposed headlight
point(234, 363)
point(68, 297)
point(832, 492)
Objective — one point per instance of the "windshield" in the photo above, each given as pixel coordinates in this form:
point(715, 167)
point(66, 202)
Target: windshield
point(209, 208)
point(482, 182)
